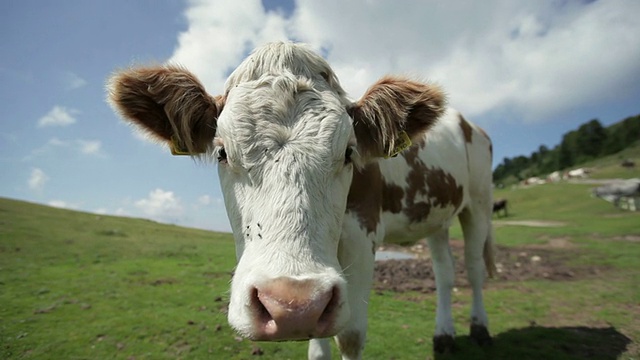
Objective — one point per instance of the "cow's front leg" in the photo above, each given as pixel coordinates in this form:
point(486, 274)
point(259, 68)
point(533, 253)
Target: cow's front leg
point(319, 349)
point(477, 231)
point(443, 268)
point(356, 256)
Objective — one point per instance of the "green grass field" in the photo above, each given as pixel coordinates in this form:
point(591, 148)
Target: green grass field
point(82, 286)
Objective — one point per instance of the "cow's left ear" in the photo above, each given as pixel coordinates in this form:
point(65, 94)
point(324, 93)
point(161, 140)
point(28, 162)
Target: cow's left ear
point(170, 104)
point(392, 111)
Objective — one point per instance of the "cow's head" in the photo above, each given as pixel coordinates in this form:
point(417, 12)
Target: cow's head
point(286, 139)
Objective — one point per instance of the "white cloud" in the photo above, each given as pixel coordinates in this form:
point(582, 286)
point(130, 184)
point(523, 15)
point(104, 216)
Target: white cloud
point(58, 116)
point(220, 34)
point(37, 179)
point(204, 200)
point(90, 147)
point(57, 142)
point(121, 212)
point(86, 147)
point(73, 81)
point(161, 205)
point(534, 59)
point(62, 204)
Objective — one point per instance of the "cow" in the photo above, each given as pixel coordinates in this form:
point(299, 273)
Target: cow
point(500, 204)
point(554, 177)
point(628, 164)
point(580, 173)
point(313, 182)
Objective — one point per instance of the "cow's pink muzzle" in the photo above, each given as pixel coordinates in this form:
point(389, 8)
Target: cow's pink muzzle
point(290, 309)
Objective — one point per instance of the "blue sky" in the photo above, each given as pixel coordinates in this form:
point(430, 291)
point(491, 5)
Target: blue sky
point(525, 71)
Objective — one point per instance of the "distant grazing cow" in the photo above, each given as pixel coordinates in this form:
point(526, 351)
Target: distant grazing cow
point(312, 185)
point(616, 191)
point(580, 173)
point(533, 181)
point(628, 163)
point(554, 176)
point(500, 204)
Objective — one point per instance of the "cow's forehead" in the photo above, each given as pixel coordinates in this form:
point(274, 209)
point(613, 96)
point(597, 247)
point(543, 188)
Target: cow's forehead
point(283, 57)
point(263, 116)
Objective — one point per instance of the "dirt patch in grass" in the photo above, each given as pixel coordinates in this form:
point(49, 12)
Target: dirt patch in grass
point(630, 238)
point(529, 223)
point(549, 262)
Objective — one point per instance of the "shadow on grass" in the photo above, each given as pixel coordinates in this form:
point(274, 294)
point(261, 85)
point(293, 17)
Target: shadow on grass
point(546, 343)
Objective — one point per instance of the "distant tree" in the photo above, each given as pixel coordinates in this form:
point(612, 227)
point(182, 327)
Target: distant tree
point(535, 157)
point(631, 130)
point(565, 156)
point(615, 142)
point(590, 140)
point(568, 153)
point(543, 151)
point(622, 135)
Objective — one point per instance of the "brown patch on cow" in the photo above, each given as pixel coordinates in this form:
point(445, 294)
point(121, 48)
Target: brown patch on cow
point(484, 133)
point(351, 344)
point(369, 194)
point(426, 188)
point(392, 198)
point(467, 130)
point(440, 188)
point(418, 212)
point(444, 188)
point(416, 180)
point(365, 196)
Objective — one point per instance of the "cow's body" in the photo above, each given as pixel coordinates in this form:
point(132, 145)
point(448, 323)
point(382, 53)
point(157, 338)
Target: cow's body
point(419, 194)
point(310, 193)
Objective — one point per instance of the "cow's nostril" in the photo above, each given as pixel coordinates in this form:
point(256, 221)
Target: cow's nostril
point(261, 311)
point(329, 311)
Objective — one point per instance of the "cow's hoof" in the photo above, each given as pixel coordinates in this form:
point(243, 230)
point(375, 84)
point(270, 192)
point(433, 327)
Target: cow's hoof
point(444, 344)
point(480, 335)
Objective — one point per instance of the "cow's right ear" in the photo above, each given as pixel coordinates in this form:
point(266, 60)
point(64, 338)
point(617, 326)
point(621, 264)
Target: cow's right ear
point(169, 103)
point(394, 112)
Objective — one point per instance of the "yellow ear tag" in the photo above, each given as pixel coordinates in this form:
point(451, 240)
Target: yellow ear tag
point(177, 148)
point(403, 142)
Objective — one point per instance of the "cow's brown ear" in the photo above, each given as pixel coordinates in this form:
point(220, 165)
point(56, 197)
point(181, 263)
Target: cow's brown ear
point(393, 111)
point(169, 103)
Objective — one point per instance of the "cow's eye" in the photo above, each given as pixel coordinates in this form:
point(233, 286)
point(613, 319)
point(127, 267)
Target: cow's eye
point(347, 155)
point(222, 156)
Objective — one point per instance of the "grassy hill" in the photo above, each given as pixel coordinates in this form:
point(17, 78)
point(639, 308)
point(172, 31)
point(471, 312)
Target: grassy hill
point(608, 167)
point(81, 286)
point(605, 167)
point(590, 145)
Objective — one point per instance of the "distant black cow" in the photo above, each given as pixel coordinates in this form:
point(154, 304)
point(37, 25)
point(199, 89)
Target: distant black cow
point(500, 204)
point(628, 163)
point(614, 191)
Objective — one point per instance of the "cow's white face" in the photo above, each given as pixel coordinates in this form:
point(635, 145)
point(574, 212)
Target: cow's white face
point(285, 146)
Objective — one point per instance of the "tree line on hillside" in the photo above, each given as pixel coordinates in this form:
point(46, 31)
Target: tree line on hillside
point(591, 140)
